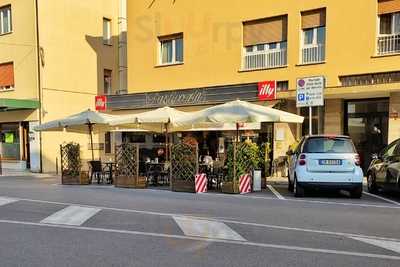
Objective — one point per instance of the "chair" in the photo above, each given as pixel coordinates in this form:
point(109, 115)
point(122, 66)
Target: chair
point(96, 171)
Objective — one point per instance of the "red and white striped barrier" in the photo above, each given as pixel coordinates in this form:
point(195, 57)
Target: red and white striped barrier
point(201, 183)
point(245, 184)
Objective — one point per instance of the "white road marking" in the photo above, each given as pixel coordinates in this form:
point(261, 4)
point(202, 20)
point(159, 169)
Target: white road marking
point(382, 198)
point(307, 230)
point(389, 245)
point(6, 200)
point(220, 241)
point(206, 229)
point(276, 193)
point(72, 215)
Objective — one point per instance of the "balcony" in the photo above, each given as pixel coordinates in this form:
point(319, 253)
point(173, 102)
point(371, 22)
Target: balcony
point(388, 44)
point(266, 59)
point(314, 53)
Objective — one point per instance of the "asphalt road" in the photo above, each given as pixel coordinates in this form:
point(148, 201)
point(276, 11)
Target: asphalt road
point(43, 223)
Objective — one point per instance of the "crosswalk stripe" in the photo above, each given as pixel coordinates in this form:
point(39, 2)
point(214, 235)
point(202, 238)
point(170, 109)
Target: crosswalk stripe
point(389, 245)
point(71, 215)
point(206, 229)
point(6, 200)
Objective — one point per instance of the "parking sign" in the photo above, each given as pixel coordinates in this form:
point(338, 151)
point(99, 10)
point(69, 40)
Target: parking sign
point(310, 92)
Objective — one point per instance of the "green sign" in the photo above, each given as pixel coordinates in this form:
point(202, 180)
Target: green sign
point(9, 138)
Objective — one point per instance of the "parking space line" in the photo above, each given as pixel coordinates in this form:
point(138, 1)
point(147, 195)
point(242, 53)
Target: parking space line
point(382, 198)
point(72, 215)
point(389, 245)
point(276, 193)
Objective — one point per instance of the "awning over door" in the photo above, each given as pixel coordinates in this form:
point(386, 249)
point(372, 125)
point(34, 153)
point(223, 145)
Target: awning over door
point(18, 104)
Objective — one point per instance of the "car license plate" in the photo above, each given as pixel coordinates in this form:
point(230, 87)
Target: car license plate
point(330, 162)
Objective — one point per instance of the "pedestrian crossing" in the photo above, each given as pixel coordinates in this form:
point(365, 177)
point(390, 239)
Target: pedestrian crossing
point(5, 201)
point(71, 215)
point(103, 219)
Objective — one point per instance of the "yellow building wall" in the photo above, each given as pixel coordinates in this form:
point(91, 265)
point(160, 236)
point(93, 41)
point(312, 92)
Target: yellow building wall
point(71, 35)
point(213, 42)
point(19, 47)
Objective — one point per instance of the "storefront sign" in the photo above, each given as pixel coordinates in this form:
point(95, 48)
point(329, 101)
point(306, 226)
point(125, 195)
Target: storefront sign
point(101, 102)
point(267, 90)
point(310, 92)
point(175, 98)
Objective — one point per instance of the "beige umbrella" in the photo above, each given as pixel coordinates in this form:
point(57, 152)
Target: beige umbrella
point(85, 122)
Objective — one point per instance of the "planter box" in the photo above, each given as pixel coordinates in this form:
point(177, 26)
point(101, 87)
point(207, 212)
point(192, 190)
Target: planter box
point(183, 186)
point(82, 179)
point(228, 188)
point(130, 182)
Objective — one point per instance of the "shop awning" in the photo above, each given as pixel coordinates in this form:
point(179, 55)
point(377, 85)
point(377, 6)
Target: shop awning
point(17, 104)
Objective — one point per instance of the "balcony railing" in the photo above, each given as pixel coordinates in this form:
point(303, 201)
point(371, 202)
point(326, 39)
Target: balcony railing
point(388, 44)
point(313, 54)
point(265, 59)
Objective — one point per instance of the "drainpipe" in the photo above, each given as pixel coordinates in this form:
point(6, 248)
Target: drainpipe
point(122, 46)
point(39, 81)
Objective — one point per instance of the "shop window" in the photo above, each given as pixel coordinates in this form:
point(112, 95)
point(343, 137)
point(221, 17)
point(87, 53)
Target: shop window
point(282, 86)
point(107, 31)
point(10, 141)
point(107, 142)
point(317, 120)
point(5, 20)
point(6, 76)
point(171, 49)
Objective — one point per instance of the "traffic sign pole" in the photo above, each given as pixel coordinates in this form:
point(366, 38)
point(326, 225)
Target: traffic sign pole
point(310, 120)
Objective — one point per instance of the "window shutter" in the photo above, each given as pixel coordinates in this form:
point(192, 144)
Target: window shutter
point(7, 75)
point(388, 6)
point(264, 31)
point(313, 18)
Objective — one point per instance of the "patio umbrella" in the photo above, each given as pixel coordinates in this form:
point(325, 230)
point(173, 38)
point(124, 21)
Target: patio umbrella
point(238, 112)
point(85, 122)
point(159, 120)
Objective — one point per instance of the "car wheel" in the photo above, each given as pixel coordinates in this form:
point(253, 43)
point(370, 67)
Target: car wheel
point(372, 187)
point(356, 192)
point(298, 190)
point(290, 185)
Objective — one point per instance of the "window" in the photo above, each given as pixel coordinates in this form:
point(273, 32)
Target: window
point(313, 35)
point(265, 43)
point(106, 31)
point(282, 86)
point(328, 145)
point(388, 27)
point(171, 50)
point(5, 20)
point(107, 142)
point(6, 76)
point(107, 82)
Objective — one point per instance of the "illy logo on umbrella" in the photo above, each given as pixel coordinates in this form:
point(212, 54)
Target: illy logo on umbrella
point(267, 90)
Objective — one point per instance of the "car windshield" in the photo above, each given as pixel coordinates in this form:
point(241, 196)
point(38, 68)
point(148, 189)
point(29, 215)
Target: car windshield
point(328, 145)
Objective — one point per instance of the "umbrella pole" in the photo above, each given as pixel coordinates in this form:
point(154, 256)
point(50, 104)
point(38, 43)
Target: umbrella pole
point(235, 156)
point(91, 139)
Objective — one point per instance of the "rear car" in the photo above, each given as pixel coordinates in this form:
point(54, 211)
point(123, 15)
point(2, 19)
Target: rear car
point(323, 161)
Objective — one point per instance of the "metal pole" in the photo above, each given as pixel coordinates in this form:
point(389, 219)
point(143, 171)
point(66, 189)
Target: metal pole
point(91, 139)
point(310, 120)
point(1, 168)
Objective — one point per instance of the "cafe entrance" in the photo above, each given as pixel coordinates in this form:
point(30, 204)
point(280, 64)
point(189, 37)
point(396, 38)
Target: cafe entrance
point(367, 123)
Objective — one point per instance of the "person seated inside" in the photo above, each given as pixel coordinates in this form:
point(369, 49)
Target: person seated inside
point(207, 159)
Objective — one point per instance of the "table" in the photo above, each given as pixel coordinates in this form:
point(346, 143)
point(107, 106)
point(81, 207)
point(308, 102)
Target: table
point(110, 166)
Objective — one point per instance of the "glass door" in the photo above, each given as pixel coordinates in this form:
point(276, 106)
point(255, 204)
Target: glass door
point(367, 123)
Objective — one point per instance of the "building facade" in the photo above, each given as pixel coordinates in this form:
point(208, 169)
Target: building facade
point(192, 54)
point(55, 57)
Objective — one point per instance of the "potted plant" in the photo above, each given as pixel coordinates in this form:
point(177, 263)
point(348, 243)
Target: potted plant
point(247, 159)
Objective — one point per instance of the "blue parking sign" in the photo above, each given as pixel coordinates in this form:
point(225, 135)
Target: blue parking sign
point(301, 97)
